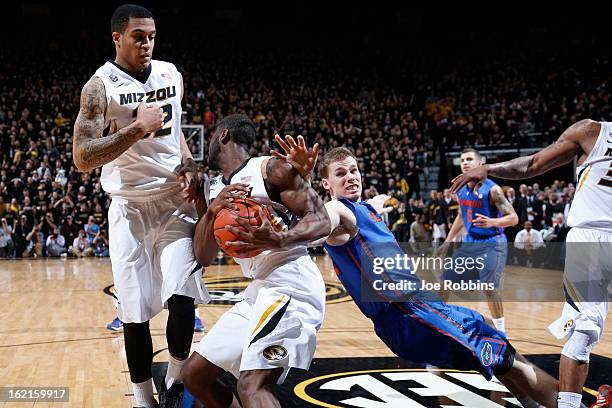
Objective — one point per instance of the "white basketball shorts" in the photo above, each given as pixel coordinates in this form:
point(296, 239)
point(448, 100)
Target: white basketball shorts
point(586, 282)
point(275, 328)
point(152, 255)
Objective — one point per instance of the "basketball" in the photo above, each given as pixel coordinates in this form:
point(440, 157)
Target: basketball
point(248, 210)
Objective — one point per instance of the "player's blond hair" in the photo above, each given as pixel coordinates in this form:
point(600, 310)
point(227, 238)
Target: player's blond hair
point(334, 155)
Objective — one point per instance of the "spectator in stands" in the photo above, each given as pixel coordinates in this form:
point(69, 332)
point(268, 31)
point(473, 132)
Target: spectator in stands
point(81, 246)
point(529, 240)
point(56, 244)
point(34, 240)
point(401, 228)
point(91, 229)
point(6, 239)
point(438, 213)
point(100, 244)
point(420, 237)
point(69, 229)
point(20, 233)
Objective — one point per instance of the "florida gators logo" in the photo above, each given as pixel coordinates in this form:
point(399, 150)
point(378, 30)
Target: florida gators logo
point(486, 355)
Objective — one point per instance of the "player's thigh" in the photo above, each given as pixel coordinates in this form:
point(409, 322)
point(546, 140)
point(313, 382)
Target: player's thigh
point(282, 332)
point(136, 284)
point(223, 344)
point(588, 266)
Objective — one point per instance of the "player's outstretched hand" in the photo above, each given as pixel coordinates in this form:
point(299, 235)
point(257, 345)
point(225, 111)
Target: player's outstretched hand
point(149, 117)
point(297, 154)
point(227, 196)
point(255, 238)
point(477, 174)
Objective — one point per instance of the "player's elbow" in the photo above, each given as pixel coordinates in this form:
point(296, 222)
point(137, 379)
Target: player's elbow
point(513, 220)
point(81, 164)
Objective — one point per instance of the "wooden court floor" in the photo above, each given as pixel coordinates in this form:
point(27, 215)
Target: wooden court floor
point(53, 315)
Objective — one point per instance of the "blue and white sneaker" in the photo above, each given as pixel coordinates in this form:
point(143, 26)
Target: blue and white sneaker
point(198, 326)
point(115, 325)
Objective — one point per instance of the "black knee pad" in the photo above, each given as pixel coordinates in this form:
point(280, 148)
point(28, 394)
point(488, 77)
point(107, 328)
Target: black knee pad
point(181, 305)
point(179, 329)
point(138, 350)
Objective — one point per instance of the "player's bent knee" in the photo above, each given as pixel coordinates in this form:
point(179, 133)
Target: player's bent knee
point(253, 381)
point(198, 371)
point(181, 305)
point(580, 344)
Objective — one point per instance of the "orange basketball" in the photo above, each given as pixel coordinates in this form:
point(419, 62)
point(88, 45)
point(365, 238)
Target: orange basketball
point(248, 210)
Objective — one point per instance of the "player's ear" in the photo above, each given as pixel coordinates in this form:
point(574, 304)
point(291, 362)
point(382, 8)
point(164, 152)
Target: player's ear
point(225, 136)
point(325, 184)
point(116, 37)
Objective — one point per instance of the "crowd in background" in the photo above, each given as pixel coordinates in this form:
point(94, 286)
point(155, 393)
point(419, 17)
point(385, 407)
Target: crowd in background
point(399, 114)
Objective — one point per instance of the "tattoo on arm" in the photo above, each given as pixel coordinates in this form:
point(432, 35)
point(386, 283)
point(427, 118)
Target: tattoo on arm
point(501, 202)
point(564, 150)
point(90, 150)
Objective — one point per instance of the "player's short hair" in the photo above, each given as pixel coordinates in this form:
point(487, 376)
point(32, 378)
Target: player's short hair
point(241, 129)
point(334, 155)
point(121, 16)
point(470, 150)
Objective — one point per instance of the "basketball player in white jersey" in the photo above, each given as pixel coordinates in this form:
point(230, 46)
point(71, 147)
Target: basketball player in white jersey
point(588, 265)
point(274, 328)
point(129, 123)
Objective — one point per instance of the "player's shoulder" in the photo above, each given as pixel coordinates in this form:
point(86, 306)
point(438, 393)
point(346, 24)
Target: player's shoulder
point(279, 171)
point(159, 64)
point(585, 128)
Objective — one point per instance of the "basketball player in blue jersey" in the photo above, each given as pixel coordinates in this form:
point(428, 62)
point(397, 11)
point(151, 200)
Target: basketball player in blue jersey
point(423, 329)
point(588, 245)
point(485, 212)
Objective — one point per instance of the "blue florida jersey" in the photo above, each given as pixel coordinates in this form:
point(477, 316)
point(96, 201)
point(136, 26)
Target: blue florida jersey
point(423, 329)
point(354, 261)
point(477, 202)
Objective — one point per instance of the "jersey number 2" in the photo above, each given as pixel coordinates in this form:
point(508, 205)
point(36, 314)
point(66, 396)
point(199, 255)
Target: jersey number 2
point(167, 126)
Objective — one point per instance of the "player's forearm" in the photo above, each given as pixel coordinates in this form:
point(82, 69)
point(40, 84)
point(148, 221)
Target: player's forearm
point(507, 220)
point(455, 229)
point(205, 245)
point(312, 227)
point(91, 151)
point(515, 169)
point(185, 152)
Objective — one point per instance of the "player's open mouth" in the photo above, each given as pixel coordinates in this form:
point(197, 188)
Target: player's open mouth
point(353, 187)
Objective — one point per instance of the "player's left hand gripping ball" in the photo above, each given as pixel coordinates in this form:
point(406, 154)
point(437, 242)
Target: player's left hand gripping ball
point(256, 238)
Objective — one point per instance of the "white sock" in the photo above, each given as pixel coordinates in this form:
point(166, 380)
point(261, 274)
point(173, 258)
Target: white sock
point(568, 400)
point(173, 375)
point(143, 394)
point(197, 312)
point(500, 324)
point(528, 402)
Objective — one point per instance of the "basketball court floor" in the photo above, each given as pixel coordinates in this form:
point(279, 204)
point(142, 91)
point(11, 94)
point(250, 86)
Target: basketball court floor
point(53, 315)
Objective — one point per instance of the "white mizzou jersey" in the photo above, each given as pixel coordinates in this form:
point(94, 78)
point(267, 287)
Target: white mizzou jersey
point(147, 169)
point(251, 173)
point(592, 204)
